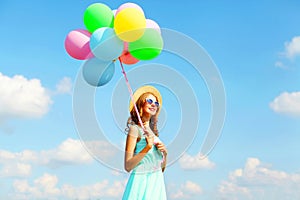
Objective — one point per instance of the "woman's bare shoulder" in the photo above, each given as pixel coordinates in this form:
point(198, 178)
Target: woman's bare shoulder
point(133, 131)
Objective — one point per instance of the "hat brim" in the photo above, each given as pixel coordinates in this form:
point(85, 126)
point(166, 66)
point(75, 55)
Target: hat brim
point(143, 90)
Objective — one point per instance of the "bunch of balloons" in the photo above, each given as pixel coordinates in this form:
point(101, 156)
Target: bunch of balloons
point(122, 34)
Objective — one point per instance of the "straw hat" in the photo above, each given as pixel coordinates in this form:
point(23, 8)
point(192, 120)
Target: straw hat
point(143, 90)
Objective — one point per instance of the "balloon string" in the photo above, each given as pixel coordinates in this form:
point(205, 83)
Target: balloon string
point(131, 94)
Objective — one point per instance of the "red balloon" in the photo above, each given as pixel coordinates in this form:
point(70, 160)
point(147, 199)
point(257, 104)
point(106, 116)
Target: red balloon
point(126, 57)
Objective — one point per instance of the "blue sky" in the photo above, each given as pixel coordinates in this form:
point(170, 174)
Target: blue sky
point(256, 49)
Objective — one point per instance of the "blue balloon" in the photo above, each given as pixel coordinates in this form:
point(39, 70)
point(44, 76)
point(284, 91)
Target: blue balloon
point(105, 44)
point(97, 72)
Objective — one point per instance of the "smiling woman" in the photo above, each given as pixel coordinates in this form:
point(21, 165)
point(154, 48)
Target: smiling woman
point(145, 154)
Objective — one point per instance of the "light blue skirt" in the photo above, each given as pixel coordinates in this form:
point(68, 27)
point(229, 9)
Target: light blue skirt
point(145, 186)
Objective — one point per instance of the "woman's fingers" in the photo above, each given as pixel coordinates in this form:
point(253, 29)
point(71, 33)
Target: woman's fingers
point(160, 146)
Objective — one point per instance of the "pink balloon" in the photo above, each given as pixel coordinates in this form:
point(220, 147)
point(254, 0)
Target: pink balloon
point(126, 57)
point(114, 12)
point(77, 44)
point(129, 5)
point(152, 24)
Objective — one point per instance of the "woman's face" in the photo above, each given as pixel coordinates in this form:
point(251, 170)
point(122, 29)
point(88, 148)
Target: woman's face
point(151, 105)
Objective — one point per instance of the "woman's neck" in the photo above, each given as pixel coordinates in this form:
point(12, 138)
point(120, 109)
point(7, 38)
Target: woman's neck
point(146, 123)
point(146, 120)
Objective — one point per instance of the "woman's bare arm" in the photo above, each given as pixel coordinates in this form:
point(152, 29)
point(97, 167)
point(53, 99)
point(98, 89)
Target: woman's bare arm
point(132, 160)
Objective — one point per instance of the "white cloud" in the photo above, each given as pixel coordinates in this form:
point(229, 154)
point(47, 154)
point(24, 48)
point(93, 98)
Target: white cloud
point(281, 65)
point(195, 162)
point(44, 187)
point(291, 51)
point(258, 181)
point(15, 170)
point(47, 187)
point(187, 190)
point(15, 164)
point(64, 86)
point(6, 155)
point(67, 153)
point(229, 190)
point(20, 164)
point(192, 187)
point(47, 184)
point(22, 98)
point(287, 103)
point(101, 149)
point(292, 48)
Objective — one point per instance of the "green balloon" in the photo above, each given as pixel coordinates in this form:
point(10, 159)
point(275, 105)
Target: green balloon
point(98, 15)
point(148, 46)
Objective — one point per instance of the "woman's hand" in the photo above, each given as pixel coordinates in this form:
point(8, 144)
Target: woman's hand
point(162, 148)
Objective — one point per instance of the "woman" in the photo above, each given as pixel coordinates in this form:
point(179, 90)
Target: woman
point(145, 154)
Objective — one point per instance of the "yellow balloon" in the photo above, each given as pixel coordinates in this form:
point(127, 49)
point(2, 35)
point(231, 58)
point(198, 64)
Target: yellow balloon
point(130, 24)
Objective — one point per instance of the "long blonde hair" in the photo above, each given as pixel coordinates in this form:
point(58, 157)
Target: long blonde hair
point(133, 119)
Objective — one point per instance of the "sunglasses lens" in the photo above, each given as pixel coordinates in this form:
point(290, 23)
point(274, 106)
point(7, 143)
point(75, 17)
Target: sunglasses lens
point(150, 101)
